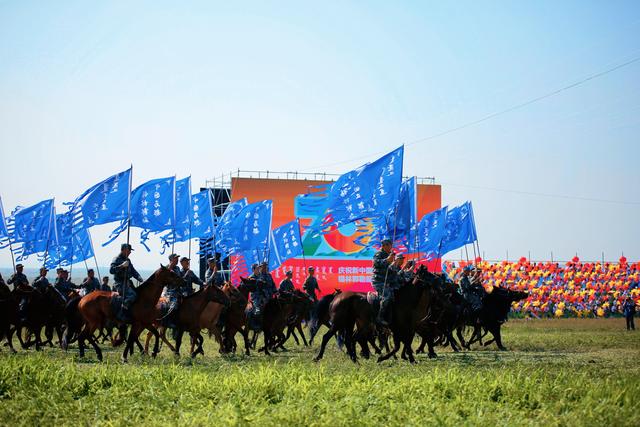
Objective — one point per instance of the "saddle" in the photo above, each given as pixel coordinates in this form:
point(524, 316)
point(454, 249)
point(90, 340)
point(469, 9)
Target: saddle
point(166, 307)
point(118, 308)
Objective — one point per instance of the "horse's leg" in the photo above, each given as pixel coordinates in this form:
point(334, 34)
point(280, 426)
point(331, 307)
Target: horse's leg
point(453, 342)
point(37, 338)
point(498, 337)
point(178, 341)
point(133, 335)
point(407, 348)
point(200, 348)
point(245, 337)
point(432, 353)
point(9, 335)
point(193, 345)
point(372, 341)
point(94, 343)
point(461, 337)
point(325, 339)
point(396, 347)
point(197, 340)
point(163, 337)
point(304, 339)
point(146, 342)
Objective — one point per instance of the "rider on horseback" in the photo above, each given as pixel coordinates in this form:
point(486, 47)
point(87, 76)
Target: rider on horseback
point(382, 262)
point(472, 289)
point(172, 293)
point(41, 283)
point(287, 284)
point(63, 285)
point(123, 271)
point(266, 287)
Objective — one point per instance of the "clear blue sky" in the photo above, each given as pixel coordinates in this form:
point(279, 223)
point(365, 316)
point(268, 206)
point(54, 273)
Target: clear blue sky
point(202, 88)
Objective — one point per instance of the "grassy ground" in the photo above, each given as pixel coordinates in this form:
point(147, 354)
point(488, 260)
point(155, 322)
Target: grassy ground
point(557, 372)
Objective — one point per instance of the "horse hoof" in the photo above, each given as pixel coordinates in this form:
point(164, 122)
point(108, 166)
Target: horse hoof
point(432, 356)
point(317, 359)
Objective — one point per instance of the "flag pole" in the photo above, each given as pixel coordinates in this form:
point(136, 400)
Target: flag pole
point(46, 250)
point(4, 223)
point(304, 258)
point(125, 285)
point(94, 256)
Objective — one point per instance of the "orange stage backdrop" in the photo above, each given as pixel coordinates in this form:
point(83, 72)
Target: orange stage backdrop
point(339, 263)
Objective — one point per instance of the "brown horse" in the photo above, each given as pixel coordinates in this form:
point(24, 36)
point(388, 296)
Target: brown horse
point(189, 312)
point(236, 318)
point(302, 312)
point(96, 310)
point(9, 316)
point(346, 311)
point(188, 318)
point(278, 311)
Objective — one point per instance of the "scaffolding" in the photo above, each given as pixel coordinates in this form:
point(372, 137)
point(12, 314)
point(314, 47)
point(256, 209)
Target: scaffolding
point(224, 181)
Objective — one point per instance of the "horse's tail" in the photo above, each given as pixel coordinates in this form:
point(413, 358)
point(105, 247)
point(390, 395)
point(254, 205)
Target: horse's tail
point(73, 322)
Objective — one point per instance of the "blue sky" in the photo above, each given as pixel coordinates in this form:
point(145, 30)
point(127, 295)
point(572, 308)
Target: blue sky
point(203, 88)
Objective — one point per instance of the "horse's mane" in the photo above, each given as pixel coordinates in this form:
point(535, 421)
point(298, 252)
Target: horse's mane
point(196, 293)
point(147, 282)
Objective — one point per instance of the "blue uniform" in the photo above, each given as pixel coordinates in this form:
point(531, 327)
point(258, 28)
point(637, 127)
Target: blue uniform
point(41, 283)
point(119, 274)
point(90, 285)
point(310, 286)
point(380, 270)
point(18, 280)
point(189, 278)
point(268, 286)
point(286, 286)
point(211, 278)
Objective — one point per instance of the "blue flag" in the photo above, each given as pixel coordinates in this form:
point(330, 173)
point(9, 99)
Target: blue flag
point(430, 232)
point(4, 233)
point(105, 202)
point(367, 192)
point(221, 235)
point(460, 228)
point(249, 230)
point(153, 208)
point(33, 223)
point(183, 203)
point(60, 227)
point(200, 224)
point(70, 251)
point(259, 255)
point(287, 243)
point(400, 222)
point(153, 205)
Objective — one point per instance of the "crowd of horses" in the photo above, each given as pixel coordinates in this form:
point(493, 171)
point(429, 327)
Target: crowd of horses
point(427, 306)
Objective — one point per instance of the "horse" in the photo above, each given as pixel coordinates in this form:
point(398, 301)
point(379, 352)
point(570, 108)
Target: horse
point(494, 312)
point(409, 306)
point(188, 316)
point(9, 317)
point(302, 311)
point(277, 313)
point(96, 310)
point(235, 319)
point(320, 314)
point(346, 311)
point(444, 315)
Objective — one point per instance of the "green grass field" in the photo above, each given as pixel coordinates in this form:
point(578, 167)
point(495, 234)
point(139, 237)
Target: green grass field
point(556, 372)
